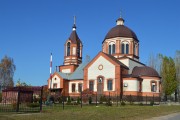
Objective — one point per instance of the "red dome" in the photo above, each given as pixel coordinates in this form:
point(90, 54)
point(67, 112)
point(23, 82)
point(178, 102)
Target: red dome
point(145, 71)
point(121, 31)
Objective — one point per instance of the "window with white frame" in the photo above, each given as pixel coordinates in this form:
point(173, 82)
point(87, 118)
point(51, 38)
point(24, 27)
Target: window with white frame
point(136, 49)
point(153, 86)
point(73, 87)
point(78, 51)
point(91, 85)
point(55, 85)
point(140, 86)
point(125, 48)
point(109, 85)
point(112, 48)
point(80, 87)
point(68, 48)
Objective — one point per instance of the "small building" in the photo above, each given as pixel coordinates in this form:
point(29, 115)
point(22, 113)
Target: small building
point(10, 95)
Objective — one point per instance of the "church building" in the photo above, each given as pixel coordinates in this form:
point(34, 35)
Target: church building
point(116, 69)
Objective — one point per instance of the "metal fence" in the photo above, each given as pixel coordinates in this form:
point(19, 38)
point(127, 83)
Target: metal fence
point(99, 99)
point(21, 99)
point(36, 99)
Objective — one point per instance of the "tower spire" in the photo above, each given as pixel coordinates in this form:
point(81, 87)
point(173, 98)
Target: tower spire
point(120, 20)
point(74, 26)
point(120, 13)
point(74, 20)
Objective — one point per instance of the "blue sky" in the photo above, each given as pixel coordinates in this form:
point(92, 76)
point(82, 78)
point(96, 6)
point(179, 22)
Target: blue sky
point(31, 29)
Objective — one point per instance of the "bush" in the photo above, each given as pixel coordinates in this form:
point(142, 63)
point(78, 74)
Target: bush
point(152, 103)
point(140, 104)
point(69, 100)
point(90, 100)
point(85, 99)
point(123, 103)
point(47, 103)
point(51, 98)
point(72, 99)
point(59, 99)
point(78, 100)
point(103, 99)
point(131, 103)
point(109, 103)
point(36, 99)
point(33, 105)
point(69, 103)
point(75, 103)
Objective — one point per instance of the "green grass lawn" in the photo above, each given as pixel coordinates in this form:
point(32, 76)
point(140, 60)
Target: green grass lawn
point(127, 112)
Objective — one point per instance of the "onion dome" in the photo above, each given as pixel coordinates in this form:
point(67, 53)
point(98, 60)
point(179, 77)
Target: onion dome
point(144, 71)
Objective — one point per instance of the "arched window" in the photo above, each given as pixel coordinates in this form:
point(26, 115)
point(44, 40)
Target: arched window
point(122, 48)
point(112, 48)
point(134, 49)
point(109, 49)
point(68, 48)
point(78, 51)
point(127, 48)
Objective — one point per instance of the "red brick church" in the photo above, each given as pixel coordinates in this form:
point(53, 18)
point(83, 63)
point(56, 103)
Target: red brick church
point(115, 69)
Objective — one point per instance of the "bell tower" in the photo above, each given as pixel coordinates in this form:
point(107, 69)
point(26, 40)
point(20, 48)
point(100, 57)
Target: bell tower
point(72, 51)
point(73, 48)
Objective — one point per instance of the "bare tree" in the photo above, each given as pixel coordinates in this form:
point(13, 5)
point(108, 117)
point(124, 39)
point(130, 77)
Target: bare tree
point(7, 69)
point(155, 61)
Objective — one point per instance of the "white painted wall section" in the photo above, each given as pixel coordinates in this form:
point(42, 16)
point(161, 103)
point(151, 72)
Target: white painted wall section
point(131, 64)
point(74, 50)
point(55, 79)
point(66, 71)
point(108, 71)
point(146, 85)
point(133, 85)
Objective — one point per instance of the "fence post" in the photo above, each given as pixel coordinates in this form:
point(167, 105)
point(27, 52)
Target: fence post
point(41, 99)
point(117, 100)
point(96, 98)
point(81, 99)
point(18, 100)
point(63, 101)
point(153, 98)
point(146, 99)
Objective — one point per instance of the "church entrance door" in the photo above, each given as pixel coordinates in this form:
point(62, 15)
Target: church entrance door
point(99, 89)
point(100, 86)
